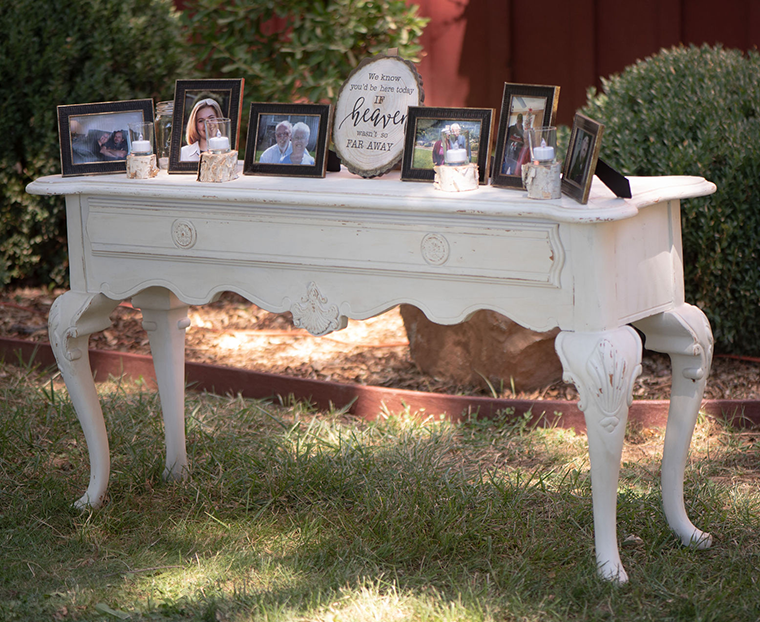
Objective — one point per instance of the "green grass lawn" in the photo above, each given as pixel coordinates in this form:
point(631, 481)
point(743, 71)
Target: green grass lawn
point(292, 514)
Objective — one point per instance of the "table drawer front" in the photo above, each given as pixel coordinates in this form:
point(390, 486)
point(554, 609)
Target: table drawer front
point(528, 252)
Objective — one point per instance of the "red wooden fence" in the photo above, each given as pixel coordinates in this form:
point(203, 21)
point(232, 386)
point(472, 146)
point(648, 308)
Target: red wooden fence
point(473, 46)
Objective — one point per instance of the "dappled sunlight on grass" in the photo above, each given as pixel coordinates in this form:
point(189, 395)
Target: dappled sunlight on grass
point(294, 514)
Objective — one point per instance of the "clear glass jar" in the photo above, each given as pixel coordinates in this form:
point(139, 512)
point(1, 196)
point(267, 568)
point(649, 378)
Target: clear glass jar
point(164, 114)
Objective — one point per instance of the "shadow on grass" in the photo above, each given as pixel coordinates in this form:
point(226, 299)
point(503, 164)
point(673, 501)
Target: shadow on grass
point(292, 514)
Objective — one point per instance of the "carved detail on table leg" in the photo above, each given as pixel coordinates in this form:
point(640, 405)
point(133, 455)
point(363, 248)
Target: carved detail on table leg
point(73, 318)
point(165, 320)
point(603, 366)
point(684, 334)
point(315, 314)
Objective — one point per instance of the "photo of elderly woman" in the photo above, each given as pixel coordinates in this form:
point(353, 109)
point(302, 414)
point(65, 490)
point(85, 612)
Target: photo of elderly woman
point(300, 140)
point(287, 139)
point(195, 128)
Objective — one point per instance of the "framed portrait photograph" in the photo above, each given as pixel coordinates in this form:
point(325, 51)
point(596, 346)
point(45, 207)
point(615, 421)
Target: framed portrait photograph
point(94, 138)
point(436, 136)
point(582, 155)
point(523, 106)
point(287, 139)
point(194, 102)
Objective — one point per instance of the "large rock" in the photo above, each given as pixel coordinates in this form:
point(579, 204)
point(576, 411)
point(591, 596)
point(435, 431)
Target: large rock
point(489, 344)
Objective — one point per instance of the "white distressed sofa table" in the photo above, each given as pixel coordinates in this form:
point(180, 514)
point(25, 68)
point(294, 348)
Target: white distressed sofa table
point(346, 247)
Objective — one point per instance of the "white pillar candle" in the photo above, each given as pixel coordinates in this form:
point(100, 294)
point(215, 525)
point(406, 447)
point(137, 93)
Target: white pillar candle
point(455, 156)
point(543, 153)
point(141, 147)
point(219, 143)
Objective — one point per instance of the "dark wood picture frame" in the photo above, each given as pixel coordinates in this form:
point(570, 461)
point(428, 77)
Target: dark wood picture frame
point(519, 101)
point(582, 155)
point(264, 122)
point(87, 130)
point(424, 124)
point(227, 94)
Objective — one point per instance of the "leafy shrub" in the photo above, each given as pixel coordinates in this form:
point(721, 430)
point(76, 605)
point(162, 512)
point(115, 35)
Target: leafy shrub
point(67, 52)
point(296, 50)
point(696, 111)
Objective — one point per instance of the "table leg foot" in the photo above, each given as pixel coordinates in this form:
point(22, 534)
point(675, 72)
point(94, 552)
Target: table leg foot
point(73, 318)
point(603, 366)
point(684, 334)
point(165, 320)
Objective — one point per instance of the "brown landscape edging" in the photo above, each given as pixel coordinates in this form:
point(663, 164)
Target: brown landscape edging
point(366, 402)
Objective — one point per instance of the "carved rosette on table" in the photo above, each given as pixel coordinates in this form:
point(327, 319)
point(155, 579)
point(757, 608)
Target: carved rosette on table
point(371, 112)
point(435, 249)
point(184, 234)
point(315, 314)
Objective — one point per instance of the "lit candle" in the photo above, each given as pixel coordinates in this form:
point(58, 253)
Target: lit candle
point(141, 147)
point(455, 156)
point(543, 152)
point(219, 143)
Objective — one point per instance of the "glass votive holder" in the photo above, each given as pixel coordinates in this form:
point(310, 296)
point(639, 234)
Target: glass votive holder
point(164, 117)
point(542, 142)
point(218, 135)
point(456, 145)
point(141, 138)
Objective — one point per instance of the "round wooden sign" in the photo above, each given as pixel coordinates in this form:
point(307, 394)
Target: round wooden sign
point(371, 111)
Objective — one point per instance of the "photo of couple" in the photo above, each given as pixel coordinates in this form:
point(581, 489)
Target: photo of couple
point(287, 140)
point(96, 145)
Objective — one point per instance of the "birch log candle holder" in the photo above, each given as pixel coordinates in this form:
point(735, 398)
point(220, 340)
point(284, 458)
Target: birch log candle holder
point(219, 163)
point(541, 177)
point(141, 161)
point(218, 167)
point(456, 178)
point(457, 173)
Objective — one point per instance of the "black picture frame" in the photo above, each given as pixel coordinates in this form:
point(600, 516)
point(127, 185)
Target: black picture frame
point(264, 122)
point(226, 93)
point(422, 126)
point(82, 130)
point(539, 102)
point(582, 156)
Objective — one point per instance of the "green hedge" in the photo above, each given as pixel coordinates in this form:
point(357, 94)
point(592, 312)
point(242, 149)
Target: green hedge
point(77, 51)
point(696, 111)
point(296, 50)
point(67, 52)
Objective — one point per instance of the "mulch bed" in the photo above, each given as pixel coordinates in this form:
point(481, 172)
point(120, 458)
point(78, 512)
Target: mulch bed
point(234, 333)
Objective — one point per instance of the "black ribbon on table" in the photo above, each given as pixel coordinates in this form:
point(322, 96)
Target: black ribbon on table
point(613, 180)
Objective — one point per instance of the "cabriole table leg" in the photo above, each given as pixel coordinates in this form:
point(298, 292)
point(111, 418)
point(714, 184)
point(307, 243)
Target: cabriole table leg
point(165, 320)
point(73, 318)
point(603, 366)
point(684, 334)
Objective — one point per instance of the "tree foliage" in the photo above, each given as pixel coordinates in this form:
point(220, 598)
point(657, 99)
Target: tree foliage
point(56, 52)
point(296, 50)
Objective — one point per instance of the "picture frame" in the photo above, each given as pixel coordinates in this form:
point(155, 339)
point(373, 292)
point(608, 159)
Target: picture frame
point(194, 99)
point(522, 106)
point(272, 132)
point(89, 135)
point(582, 156)
point(423, 146)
